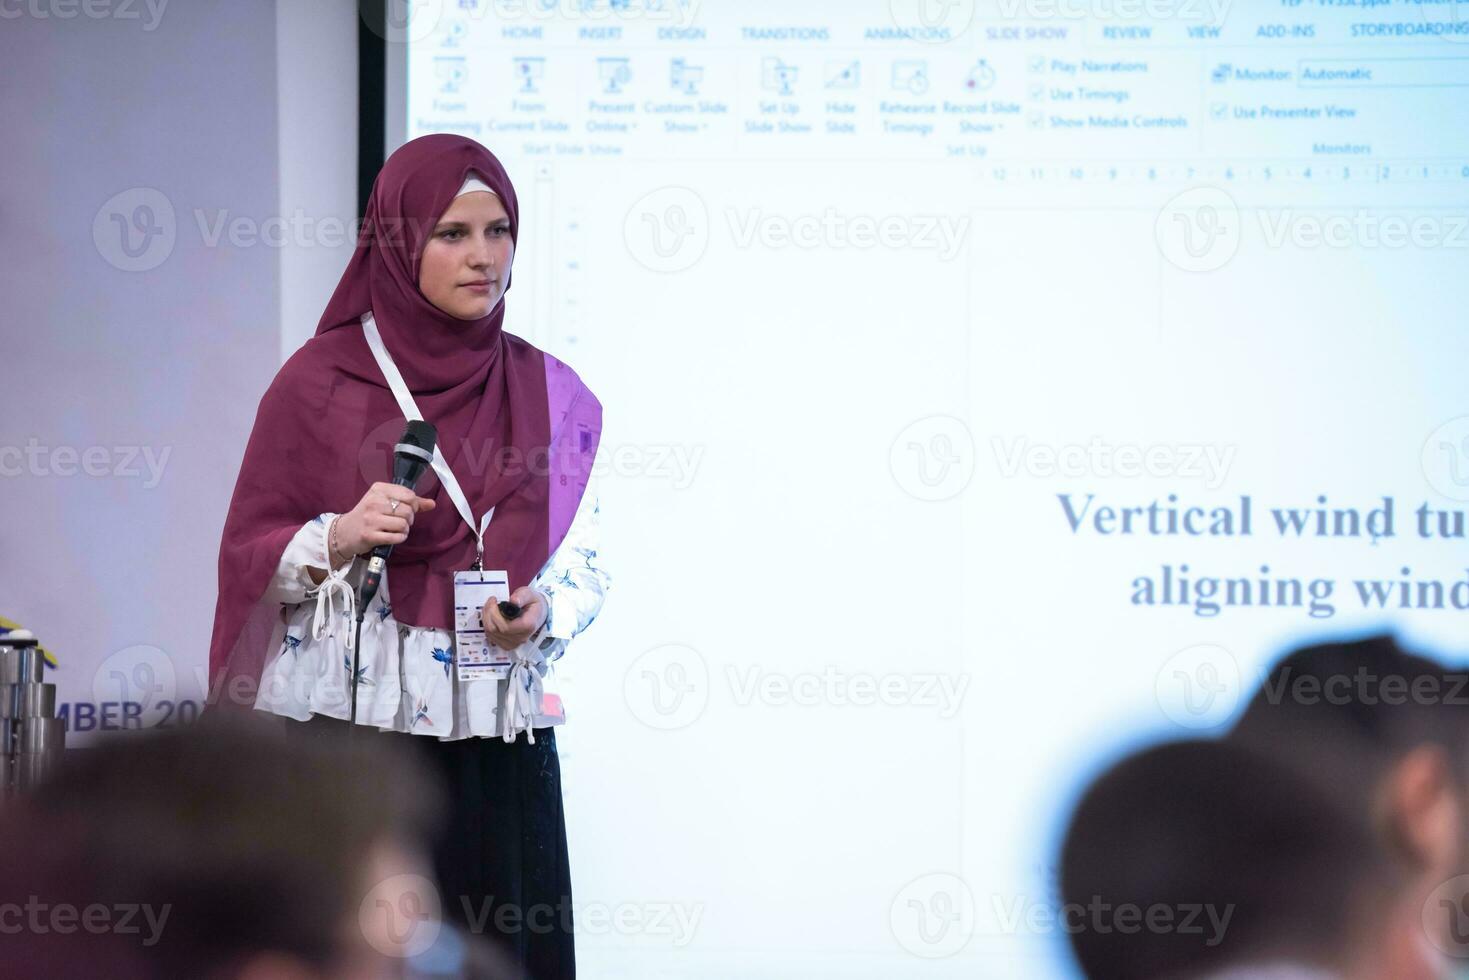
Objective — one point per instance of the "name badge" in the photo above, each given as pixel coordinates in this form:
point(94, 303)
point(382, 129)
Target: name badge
point(475, 657)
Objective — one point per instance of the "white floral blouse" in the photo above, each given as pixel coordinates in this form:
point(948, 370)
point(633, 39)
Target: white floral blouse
point(407, 681)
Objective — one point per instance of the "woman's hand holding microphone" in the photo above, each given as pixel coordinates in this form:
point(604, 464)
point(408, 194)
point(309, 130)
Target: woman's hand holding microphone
point(384, 515)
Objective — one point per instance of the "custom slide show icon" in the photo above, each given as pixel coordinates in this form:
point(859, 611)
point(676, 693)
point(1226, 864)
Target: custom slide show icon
point(933, 459)
point(401, 916)
point(135, 230)
point(933, 915)
point(1445, 458)
point(1199, 230)
point(932, 21)
point(667, 230)
point(667, 687)
point(1199, 686)
point(404, 21)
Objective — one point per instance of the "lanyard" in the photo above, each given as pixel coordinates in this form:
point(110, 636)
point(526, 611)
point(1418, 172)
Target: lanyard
point(410, 411)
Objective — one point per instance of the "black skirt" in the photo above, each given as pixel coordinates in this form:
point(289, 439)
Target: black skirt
point(501, 860)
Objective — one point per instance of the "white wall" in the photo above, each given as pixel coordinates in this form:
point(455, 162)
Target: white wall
point(134, 364)
point(316, 101)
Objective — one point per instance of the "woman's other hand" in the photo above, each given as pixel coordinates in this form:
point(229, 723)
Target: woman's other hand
point(507, 634)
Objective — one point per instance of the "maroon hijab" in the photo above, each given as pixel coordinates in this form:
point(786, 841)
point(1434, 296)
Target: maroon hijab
point(516, 426)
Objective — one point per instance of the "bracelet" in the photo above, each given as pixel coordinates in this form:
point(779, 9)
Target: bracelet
point(331, 542)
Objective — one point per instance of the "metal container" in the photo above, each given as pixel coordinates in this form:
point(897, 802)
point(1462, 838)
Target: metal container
point(21, 701)
point(31, 736)
point(41, 742)
point(20, 661)
point(42, 736)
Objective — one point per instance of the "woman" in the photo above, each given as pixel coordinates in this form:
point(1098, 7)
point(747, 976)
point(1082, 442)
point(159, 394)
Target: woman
point(415, 330)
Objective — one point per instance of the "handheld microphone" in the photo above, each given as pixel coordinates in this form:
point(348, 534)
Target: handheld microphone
point(413, 454)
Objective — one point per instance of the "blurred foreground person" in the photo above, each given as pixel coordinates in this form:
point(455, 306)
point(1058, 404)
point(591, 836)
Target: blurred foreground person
point(1388, 732)
point(1207, 860)
point(224, 851)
